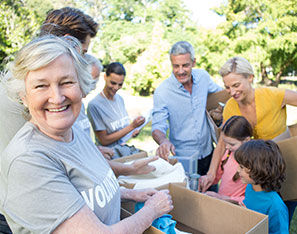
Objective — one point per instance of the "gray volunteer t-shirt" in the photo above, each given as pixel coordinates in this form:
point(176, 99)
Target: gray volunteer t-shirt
point(83, 121)
point(11, 118)
point(109, 115)
point(44, 182)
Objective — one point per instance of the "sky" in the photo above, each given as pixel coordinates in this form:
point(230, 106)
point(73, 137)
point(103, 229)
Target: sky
point(202, 14)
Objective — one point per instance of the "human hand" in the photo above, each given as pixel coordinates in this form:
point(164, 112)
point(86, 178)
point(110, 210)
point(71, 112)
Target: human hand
point(139, 120)
point(205, 182)
point(141, 166)
point(160, 203)
point(165, 148)
point(141, 195)
point(135, 133)
point(107, 152)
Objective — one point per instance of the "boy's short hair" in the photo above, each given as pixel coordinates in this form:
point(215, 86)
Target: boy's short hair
point(265, 162)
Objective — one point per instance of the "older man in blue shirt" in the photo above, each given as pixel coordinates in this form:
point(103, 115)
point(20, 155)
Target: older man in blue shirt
point(180, 105)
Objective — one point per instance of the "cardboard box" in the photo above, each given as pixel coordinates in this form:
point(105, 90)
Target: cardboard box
point(199, 213)
point(293, 129)
point(213, 100)
point(289, 152)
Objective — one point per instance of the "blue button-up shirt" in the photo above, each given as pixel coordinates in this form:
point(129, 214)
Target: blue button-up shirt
point(184, 113)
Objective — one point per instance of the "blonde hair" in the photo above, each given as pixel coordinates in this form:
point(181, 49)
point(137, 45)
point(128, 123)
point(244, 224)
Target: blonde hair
point(37, 54)
point(237, 65)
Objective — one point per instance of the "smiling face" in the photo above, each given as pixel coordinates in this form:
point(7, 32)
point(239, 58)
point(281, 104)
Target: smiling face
point(53, 96)
point(182, 67)
point(113, 83)
point(238, 86)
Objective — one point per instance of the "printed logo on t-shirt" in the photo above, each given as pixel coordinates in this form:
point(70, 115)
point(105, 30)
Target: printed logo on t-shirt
point(120, 123)
point(101, 193)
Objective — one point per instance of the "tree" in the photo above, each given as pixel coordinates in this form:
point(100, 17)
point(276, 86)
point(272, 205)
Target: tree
point(138, 34)
point(18, 24)
point(264, 31)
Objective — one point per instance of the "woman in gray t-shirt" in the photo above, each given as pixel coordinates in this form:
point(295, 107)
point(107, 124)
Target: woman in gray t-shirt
point(107, 112)
point(53, 178)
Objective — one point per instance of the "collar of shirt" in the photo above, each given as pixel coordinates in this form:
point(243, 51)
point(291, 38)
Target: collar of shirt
point(180, 85)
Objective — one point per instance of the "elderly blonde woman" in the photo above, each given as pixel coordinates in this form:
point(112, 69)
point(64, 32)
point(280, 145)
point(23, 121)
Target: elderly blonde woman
point(264, 108)
point(53, 178)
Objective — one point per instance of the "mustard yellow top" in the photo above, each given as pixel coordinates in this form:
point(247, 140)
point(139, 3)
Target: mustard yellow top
point(271, 117)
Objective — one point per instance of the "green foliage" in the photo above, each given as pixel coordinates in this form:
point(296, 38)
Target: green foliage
point(140, 33)
point(264, 31)
point(18, 23)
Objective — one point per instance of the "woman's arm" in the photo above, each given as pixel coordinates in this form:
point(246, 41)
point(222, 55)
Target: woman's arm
point(290, 98)
point(206, 181)
point(85, 221)
point(107, 139)
point(138, 167)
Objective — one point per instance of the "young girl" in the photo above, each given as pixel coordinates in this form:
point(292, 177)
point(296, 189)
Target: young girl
point(262, 168)
point(235, 132)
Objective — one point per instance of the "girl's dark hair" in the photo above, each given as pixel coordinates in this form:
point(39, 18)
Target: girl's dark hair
point(265, 162)
point(71, 21)
point(239, 128)
point(116, 68)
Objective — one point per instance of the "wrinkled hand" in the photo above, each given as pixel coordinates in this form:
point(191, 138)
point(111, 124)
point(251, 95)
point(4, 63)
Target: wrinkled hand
point(141, 166)
point(139, 120)
point(165, 149)
point(107, 152)
point(135, 133)
point(141, 195)
point(160, 203)
point(205, 182)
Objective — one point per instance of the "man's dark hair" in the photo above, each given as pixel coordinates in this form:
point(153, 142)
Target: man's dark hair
point(70, 21)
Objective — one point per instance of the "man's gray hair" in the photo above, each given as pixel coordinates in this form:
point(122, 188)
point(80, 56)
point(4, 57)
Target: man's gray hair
point(92, 60)
point(182, 47)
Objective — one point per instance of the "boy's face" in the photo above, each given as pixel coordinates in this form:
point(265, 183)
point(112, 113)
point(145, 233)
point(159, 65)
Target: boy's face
point(244, 174)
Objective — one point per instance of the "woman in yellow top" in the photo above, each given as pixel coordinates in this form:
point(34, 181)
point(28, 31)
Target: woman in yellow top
point(264, 108)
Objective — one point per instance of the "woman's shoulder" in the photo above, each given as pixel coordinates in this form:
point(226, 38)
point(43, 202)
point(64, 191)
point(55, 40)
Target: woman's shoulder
point(23, 143)
point(271, 95)
point(269, 90)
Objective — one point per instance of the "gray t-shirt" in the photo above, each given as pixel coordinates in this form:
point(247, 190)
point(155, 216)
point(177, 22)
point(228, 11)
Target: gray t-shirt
point(11, 118)
point(109, 115)
point(83, 121)
point(44, 182)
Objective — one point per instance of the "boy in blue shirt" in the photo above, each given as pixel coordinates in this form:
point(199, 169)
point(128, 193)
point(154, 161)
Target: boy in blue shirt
point(262, 167)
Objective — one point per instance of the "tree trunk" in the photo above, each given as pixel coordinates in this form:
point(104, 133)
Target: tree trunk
point(277, 78)
point(264, 76)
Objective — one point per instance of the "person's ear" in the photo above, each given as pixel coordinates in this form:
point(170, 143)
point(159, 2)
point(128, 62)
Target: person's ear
point(24, 100)
point(194, 62)
point(247, 139)
point(251, 78)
